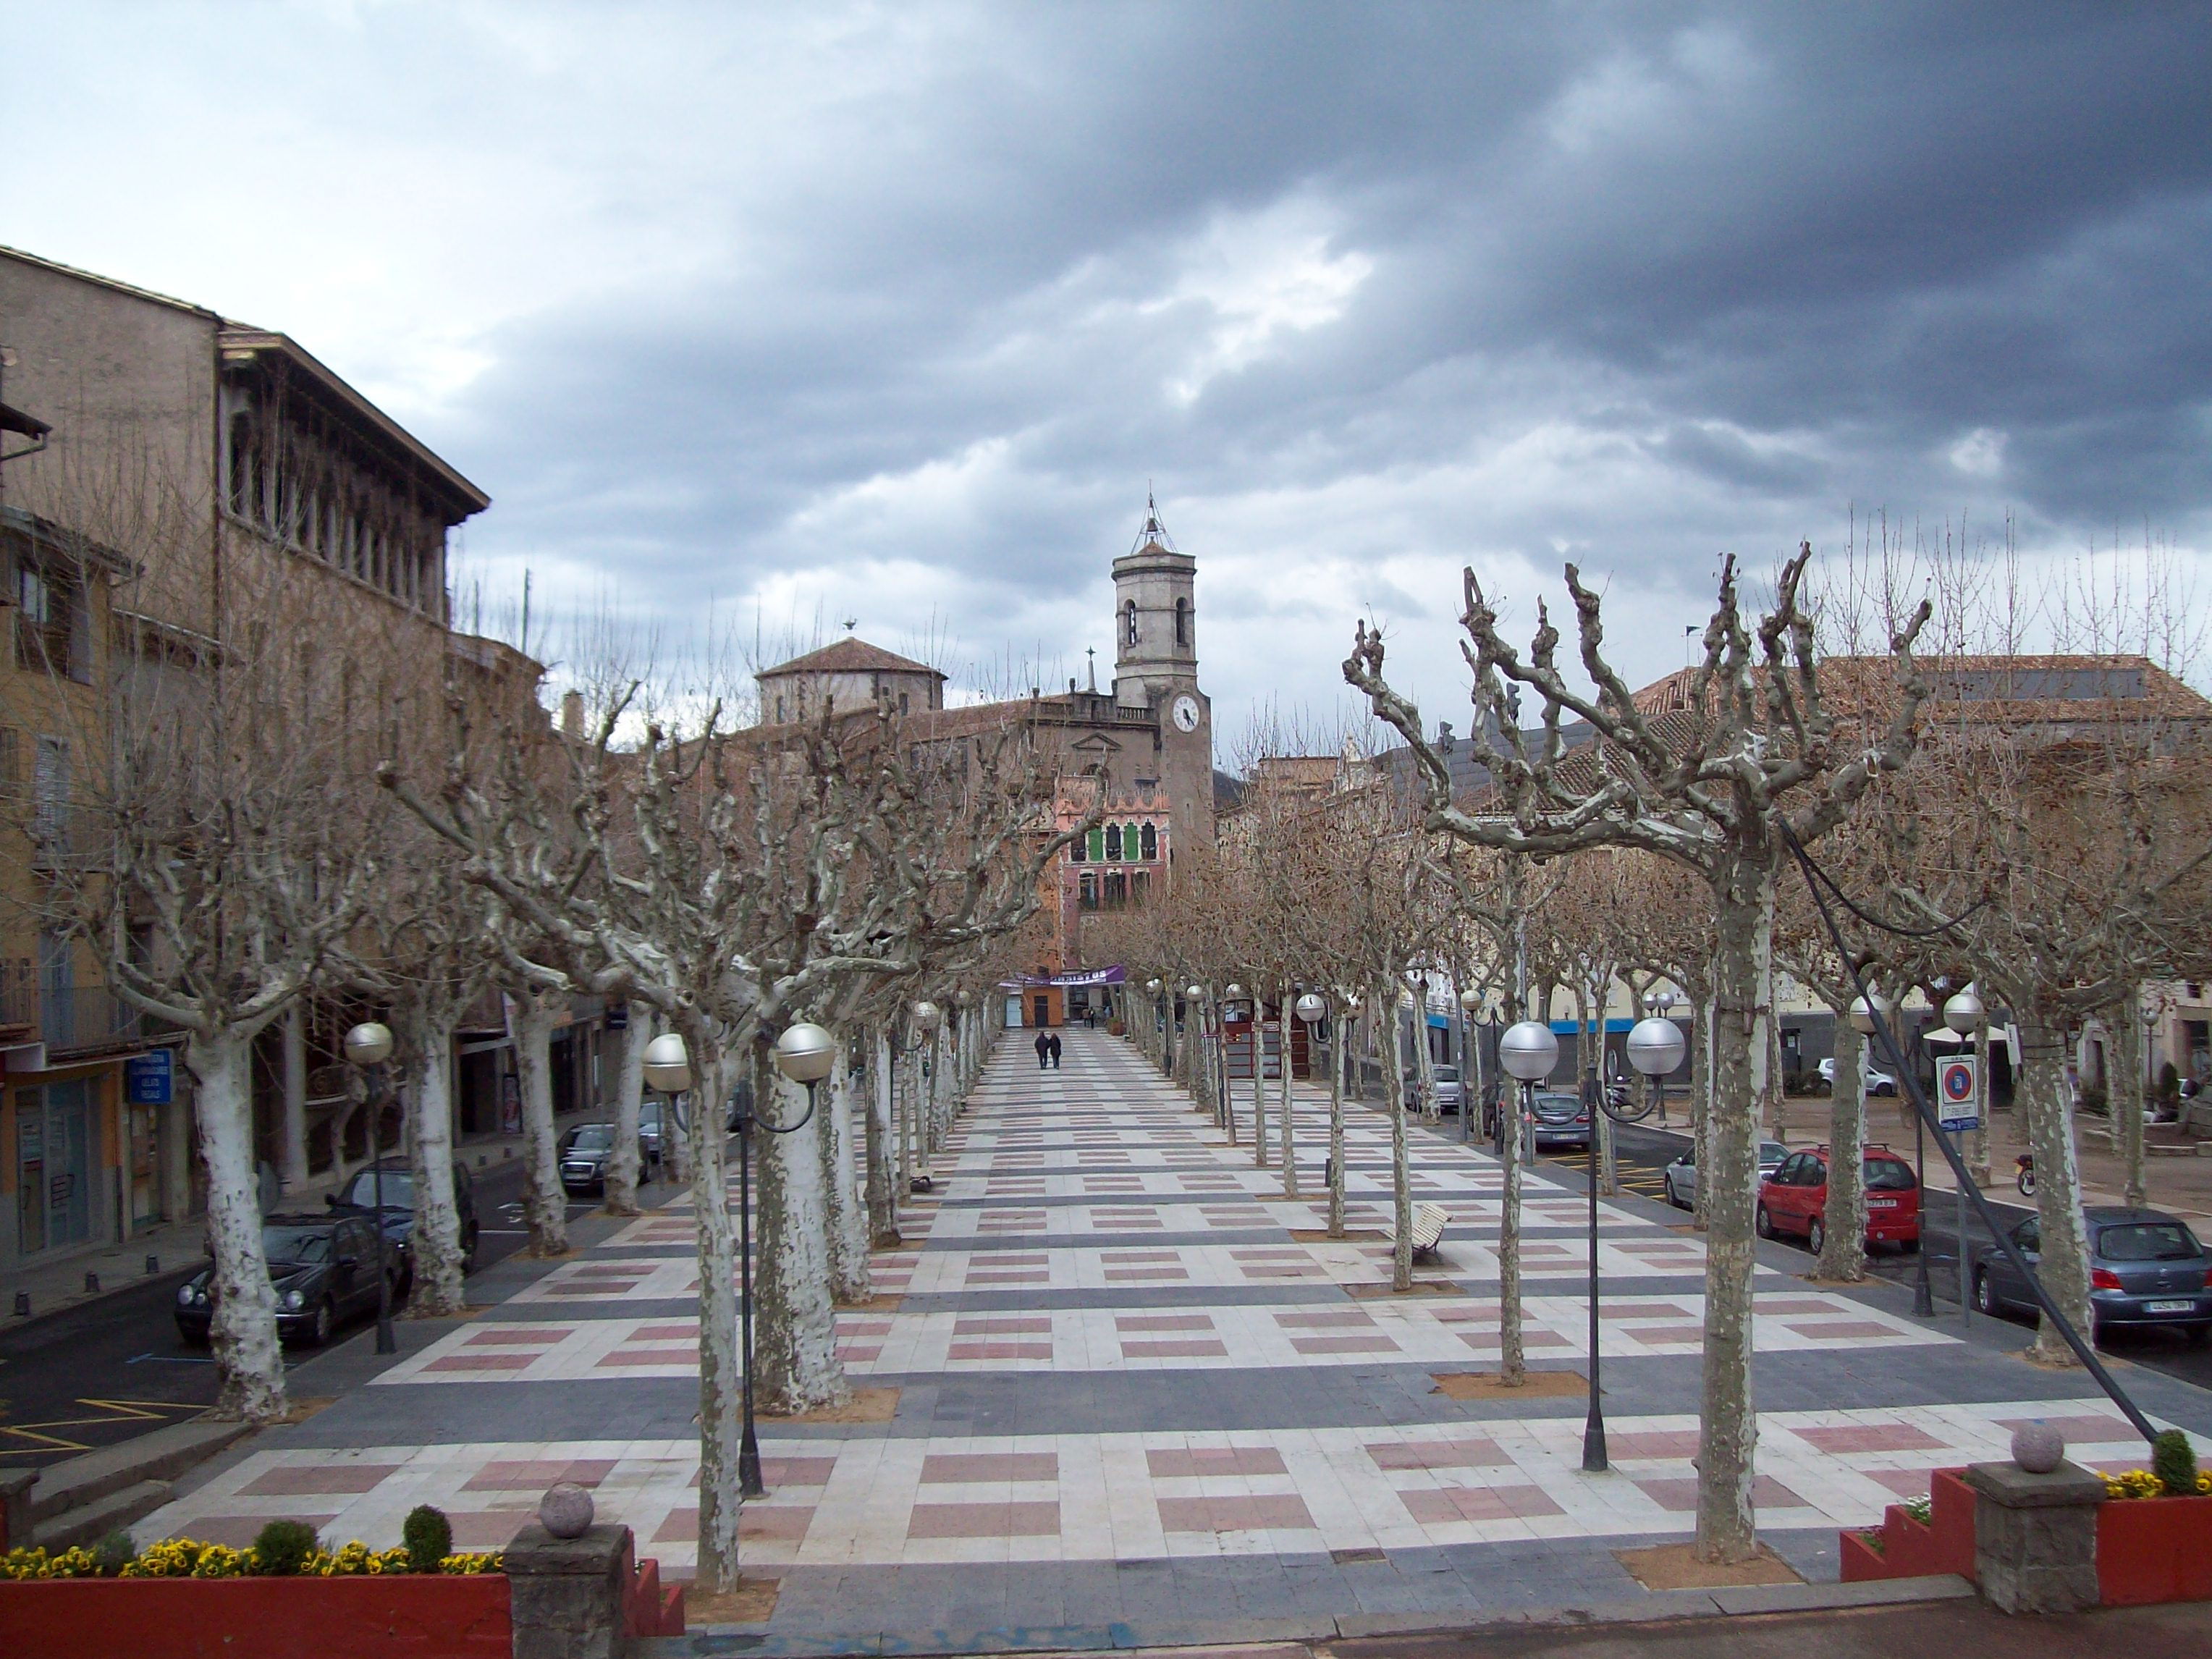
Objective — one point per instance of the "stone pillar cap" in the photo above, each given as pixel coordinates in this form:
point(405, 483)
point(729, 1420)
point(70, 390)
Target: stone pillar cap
point(2067, 1485)
point(599, 1549)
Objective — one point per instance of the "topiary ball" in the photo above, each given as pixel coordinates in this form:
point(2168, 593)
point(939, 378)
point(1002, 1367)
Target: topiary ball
point(282, 1547)
point(2173, 1461)
point(428, 1537)
point(2038, 1448)
point(565, 1510)
point(114, 1553)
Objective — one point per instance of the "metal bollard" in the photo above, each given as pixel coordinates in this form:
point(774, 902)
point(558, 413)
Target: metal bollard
point(22, 1304)
point(92, 1284)
point(153, 1266)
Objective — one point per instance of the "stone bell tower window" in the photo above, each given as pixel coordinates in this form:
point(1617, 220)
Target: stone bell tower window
point(1182, 622)
point(1129, 623)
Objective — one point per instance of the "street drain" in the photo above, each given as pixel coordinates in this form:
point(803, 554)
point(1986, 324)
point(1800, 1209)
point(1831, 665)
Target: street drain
point(1356, 1558)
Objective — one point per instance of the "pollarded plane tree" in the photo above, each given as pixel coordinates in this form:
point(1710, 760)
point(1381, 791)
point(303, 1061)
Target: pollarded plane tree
point(1722, 784)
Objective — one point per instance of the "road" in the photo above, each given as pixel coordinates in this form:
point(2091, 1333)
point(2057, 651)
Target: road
point(1641, 1153)
point(108, 1370)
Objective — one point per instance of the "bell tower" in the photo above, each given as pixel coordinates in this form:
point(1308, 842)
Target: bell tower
point(1156, 671)
point(1155, 618)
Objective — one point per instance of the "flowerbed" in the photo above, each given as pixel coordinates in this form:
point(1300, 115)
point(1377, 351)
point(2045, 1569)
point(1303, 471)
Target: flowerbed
point(185, 1558)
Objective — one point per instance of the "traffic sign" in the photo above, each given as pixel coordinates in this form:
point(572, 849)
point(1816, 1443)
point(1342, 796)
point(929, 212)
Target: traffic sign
point(149, 1079)
point(1957, 1093)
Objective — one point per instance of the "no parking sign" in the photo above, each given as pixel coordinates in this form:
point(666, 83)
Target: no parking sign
point(1957, 1093)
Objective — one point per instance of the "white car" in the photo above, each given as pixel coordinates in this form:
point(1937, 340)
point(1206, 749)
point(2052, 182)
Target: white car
point(1874, 1082)
point(1682, 1176)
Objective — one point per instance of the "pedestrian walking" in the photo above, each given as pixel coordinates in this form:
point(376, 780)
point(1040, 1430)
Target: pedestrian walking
point(1044, 1049)
point(1055, 1051)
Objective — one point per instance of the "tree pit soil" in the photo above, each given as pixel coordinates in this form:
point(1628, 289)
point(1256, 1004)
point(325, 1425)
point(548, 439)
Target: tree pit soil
point(1487, 1385)
point(866, 1405)
point(1676, 1566)
point(752, 1603)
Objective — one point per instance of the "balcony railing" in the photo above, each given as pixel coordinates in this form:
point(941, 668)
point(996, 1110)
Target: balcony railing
point(74, 1018)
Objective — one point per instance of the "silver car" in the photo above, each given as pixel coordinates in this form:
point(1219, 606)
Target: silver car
point(1682, 1176)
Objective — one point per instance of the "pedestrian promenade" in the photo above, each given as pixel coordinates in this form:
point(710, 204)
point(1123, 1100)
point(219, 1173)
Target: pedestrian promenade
point(1116, 1382)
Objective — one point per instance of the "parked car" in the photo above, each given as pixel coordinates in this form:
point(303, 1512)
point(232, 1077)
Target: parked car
point(1449, 1089)
point(1875, 1082)
point(1557, 1119)
point(359, 1197)
point(656, 1132)
point(322, 1269)
point(1682, 1176)
point(2146, 1268)
point(585, 1151)
point(1794, 1199)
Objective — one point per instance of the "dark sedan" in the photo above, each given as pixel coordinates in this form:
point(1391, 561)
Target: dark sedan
point(323, 1269)
point(585, 1152)
point(359, 1198)
point(2146, 1268)
point(1559, 1119)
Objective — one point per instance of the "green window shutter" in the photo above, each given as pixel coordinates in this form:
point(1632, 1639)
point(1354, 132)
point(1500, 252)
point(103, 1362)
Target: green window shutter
point(1098, 845)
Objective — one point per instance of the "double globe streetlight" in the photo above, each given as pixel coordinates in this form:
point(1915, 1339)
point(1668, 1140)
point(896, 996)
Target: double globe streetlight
point(805, 1054)
point(1528, 1051)
point(368, 1045)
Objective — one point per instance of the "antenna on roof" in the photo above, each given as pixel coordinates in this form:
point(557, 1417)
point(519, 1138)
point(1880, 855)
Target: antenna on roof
point(851, 622)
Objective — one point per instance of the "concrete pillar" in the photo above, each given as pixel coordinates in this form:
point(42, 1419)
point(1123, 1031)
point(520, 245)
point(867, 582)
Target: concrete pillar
point(294, 1153)
point(2035, 1536)
point(567, 1593)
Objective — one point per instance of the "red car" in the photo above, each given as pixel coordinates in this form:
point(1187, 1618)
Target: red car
point(1794, 1199)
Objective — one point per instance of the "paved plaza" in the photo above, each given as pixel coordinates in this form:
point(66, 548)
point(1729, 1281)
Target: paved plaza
point(1117, 1384)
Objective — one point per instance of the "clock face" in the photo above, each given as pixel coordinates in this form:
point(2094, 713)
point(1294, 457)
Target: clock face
point(1186, 713)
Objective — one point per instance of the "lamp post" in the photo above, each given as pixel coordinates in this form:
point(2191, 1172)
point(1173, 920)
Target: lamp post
point(1528, 1051)
point(1655, 1049)
point(1470, 1004)
point(925, 1016)
point(1662, 1003)
point(1159, 1026)
point(368, 1045)
point(1963, 1014)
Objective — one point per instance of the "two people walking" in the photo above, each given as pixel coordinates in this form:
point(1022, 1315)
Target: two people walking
point(1047, 1051)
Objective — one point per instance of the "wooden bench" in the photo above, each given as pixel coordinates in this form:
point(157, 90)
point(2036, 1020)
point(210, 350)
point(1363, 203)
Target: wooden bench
point(1429, 1220)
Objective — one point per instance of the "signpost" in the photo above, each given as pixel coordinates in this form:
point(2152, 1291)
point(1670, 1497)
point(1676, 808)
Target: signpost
point(149, 1079)
point(1958, 1102)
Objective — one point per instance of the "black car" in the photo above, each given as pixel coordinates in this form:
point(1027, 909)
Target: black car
point(2146, 1268)
point(585, 1152)
point(358, 1197)
point(322, 1269)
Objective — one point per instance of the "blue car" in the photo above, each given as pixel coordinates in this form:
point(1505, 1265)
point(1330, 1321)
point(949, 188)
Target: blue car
point(2146, 1269)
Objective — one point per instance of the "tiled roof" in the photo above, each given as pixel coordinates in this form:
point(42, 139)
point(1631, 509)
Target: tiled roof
point(849, 656)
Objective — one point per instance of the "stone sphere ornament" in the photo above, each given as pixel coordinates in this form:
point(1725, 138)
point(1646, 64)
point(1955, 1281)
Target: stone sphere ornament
point(2038, 1448)
point(565, 1510)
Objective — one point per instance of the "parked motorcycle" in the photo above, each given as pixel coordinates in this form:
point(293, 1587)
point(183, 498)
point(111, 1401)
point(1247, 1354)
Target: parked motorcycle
point(2025, 1177)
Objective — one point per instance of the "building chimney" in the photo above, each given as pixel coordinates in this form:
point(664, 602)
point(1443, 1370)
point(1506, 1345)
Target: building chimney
point(572, 716)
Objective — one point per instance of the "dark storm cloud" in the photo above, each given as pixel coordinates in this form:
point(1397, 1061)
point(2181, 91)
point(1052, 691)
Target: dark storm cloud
point(897, 308)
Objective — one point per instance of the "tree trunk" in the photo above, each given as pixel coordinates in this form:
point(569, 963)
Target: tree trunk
point(883, 1192)
point(849, 1280)
point(620, 1196)
point(293, 1166)
point(1259, 1080)
point(721, 1371)
point(2126, 1090)
point(435, 1241)
point(1701, 1108)
point(1339, 1043)
point(2065, 1268)
point(1512, 1364)
point(1401, 1191)
point(1424, 1063)
point(249, 1360)
point(544, 1204)
point(1287, 1138)
point(795, 1327)
point(1843, 1255)
point(1728, 1429)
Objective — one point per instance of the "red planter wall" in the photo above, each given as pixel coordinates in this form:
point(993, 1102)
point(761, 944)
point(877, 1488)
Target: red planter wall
point(1912, 1549)
point(419, 1616)
point(2154, 1549)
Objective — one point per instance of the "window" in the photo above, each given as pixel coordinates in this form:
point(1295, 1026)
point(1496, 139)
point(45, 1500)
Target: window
point(1117, 889)
point(1098, 845)
point(1149, 840)
point(1141, 884)
point(1129, 623)
point(1075, 851)
point(1113, 843)
point(903, 697)
point(1182, 622)
point(1087, 891)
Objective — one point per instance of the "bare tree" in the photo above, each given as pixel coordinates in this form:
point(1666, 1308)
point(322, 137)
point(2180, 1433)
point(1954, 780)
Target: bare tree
point(1748, 765)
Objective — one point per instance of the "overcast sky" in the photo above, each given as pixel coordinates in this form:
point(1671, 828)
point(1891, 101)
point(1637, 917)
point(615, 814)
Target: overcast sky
point(893, 312)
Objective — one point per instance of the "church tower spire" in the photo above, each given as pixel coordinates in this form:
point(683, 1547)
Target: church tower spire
point(1155, 615)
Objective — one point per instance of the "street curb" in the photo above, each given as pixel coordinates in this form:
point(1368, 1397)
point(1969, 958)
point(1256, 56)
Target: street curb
point(1120, 1637)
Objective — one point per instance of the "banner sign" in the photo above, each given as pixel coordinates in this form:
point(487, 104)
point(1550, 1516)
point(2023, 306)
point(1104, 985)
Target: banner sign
point(149, 1079)
point(1957, 1093)
point(1113, 975)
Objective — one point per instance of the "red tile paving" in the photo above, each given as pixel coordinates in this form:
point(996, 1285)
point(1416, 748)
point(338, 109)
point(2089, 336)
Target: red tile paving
point(323, 1479)
point(1680, 1496)
point(1653, 1442)
point(1261, 1514)
point(1871, 1438)
point(1477, 1452)
point(1477, 1504)
point(1189, 1347)
point(482, 1362)
point(537, 1474)
point(944, 1467)
point(1016, 1520)
point(1215, 1459)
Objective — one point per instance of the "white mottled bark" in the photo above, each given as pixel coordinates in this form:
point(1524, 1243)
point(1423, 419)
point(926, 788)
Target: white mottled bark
point(248, 1357)
point(1401, 1191)
point(849, 1280)
point(2065, 1268)
point(1339, 1045)
point(545, 1206)
point(1289, 1136)
point(630, 1102)
point(1512, 1359)
point(883, 1191)
point(1424, 1063)
point(435, 1240)
point(1728, 1427)
point(1701, 1110)
point(2126, 1091)
point(720, 1368)
point(1843, 1255)
point(795, 1327)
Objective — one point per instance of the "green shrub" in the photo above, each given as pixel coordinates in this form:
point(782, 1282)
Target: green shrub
point(283, 1546)
point(114, 1553)
point(428, 1537)
point(2173, 1461)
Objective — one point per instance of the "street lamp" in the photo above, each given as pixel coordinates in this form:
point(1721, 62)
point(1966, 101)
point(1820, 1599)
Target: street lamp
point(1662, 1003)
point(1963, 1013)
point(368, 1045)
point(1870, 1015)
point(1527, 1051)
point(805, 1054)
